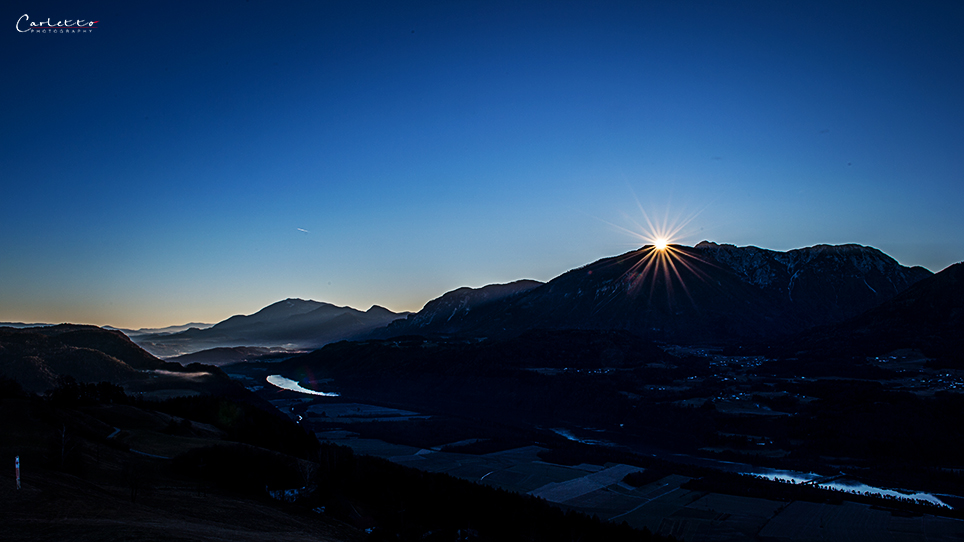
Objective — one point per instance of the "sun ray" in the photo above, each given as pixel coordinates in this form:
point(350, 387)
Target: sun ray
point(662, 262)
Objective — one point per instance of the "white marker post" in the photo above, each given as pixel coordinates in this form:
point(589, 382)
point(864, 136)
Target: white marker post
point(17, 465)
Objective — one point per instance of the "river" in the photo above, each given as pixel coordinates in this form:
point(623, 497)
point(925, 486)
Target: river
point(291, 385)
point(843, 483)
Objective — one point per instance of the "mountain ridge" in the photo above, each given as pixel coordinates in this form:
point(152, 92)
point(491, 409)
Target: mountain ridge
point(290, 323)
point(708, 293)
point(461, 301)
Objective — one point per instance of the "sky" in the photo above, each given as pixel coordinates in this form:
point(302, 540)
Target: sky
point(187, 161)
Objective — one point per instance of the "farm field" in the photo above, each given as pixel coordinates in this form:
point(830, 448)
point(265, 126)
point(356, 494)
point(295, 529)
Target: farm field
point(740, 419)
point(663, 506)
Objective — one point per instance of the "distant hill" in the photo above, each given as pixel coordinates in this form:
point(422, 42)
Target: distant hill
point(226, 355)
point(160, 330)
point(37, 357)
point(291, 324)
point(709, 293)
point(20, 325)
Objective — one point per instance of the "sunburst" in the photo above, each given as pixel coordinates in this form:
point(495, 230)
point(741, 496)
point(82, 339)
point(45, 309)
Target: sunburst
point(661, 257)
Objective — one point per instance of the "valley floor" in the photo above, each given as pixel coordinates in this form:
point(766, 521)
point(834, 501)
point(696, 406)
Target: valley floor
point(663, 506)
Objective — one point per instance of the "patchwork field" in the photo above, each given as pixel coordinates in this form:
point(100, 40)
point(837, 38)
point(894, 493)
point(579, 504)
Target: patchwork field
point(663, 506)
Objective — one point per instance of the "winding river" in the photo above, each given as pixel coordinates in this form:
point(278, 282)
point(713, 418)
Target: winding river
point(291, 385)
point(841, 483)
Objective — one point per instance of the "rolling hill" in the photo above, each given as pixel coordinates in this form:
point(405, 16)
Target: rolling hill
point(38, 358)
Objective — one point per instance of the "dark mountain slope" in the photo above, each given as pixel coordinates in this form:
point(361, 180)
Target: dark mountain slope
point(445, 313)
point(823, 282)
point(705, 294)
point(111, 342)
point(928, 316)
point(36, 360)
point(38, 357)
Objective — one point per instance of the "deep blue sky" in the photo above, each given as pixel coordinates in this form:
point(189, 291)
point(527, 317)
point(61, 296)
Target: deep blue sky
point(157, 170)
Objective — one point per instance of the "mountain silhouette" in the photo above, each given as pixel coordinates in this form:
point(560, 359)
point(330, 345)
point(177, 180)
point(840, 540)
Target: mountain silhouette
point(928, 316)
point(444, 314)
point(710, 293)
point(291, 323)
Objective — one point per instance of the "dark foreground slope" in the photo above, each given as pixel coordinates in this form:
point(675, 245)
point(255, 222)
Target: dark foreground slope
point(127, 469)
point(716, 294)
point(38, 358)
point(92, 470)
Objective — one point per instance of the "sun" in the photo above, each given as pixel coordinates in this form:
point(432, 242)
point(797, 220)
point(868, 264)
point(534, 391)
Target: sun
point(662, 262)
